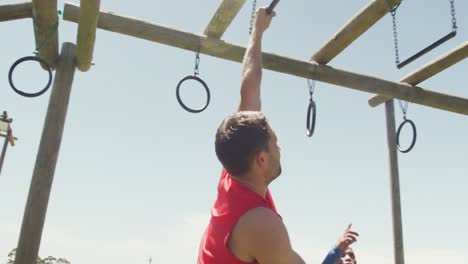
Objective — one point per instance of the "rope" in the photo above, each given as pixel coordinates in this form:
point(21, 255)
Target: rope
point(49, 34)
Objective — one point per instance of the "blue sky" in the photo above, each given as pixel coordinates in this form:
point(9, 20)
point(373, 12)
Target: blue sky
point(137, 174)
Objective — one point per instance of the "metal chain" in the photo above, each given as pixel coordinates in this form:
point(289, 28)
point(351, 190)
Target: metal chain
point(252, 16)
point(403, 107)
point(311, 84)
point(395, 37)
point(454, 19)
point(197, 63)
point(403, 104)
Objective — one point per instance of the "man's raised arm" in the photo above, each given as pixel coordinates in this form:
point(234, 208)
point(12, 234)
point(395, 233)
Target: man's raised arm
point(252, 64)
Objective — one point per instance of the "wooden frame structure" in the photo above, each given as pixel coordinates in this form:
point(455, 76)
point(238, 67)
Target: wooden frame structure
point(89, 18)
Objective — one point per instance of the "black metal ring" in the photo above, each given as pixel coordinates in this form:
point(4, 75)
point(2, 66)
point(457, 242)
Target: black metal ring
point(191, 77)
point(311, 122)
point(271, 7)
point(30, 58)
point(414, 136)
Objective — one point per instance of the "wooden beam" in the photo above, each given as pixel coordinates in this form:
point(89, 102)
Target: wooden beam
point(10, 138)
point(218, 48)
point(425, 72)
point(47, 156)
point(46, 29)
point(394, 184)
point(353, 29)
point(15, 11)
point(86, 33)
point(223, 17)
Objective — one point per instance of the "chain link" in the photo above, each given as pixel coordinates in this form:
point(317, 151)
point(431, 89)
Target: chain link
point(311, 84)
point(252, 16)
point(454, 19)
point(395, 37)
point(403, 107)
point(197, 63)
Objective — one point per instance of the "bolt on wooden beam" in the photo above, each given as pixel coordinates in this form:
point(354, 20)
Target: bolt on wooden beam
point(425, 72)
point(15, 11)
point(221, 49)
point(353, 29)
point(223, 17)
point(46, 29)
point(86, 33)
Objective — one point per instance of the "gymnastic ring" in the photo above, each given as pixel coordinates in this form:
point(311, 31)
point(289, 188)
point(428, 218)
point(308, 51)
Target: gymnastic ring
point(414, 136)
point(191, 77)
point(30, 58)
point(311, 122)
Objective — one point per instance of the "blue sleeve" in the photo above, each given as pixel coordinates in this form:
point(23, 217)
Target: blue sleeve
point(333, 256)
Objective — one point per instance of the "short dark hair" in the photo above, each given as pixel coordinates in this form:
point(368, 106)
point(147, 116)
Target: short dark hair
point(239, 137)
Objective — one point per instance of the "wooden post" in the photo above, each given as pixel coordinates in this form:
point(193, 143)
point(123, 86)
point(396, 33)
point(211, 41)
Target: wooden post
point(47, 156)
point(86, 33)
point(15, 11)
point(394, 184)
point(46, 28)
point(221, 49)
point(432, 68)
point(5, 122)
point(223, 17)
point(355, 27)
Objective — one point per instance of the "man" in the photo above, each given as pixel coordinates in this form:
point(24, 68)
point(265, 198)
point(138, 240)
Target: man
point(349, 257)
point(245, 226)
point(342, 253)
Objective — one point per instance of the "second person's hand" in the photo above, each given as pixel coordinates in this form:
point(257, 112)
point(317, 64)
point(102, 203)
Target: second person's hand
point(348, 237)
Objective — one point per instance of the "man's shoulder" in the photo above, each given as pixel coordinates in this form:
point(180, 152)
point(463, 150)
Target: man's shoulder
point(260, 221)
point(261, 235)
point(261, 214)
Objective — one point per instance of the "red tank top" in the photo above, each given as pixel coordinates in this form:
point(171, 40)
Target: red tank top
point(234, 200)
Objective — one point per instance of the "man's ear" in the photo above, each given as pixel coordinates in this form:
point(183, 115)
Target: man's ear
point(260, 158)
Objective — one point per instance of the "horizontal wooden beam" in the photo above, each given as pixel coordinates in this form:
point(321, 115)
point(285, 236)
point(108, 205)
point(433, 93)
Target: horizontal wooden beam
point(46, 28)
point(425, 72)
point(354, 28)
point(86, 33)
point(11, 139)
point(306, 69)
point(223, 17)
point(15, 11)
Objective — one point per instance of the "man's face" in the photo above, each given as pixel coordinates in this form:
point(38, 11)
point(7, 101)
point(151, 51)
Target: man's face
point(348, 257)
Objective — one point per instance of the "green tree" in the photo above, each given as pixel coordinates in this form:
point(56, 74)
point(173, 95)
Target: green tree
point(47, 260)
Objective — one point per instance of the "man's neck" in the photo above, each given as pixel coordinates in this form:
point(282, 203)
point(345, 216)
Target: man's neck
point(253, 183)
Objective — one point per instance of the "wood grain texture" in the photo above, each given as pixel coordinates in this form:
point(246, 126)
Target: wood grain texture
point(223, 17)
point(46, 161)
point(394, 184)
point(353, 29)
point(45, 25)
point(86, 33)
point(15, 11)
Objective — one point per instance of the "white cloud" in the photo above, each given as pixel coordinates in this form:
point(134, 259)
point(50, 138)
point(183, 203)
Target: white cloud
point(178, 244)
